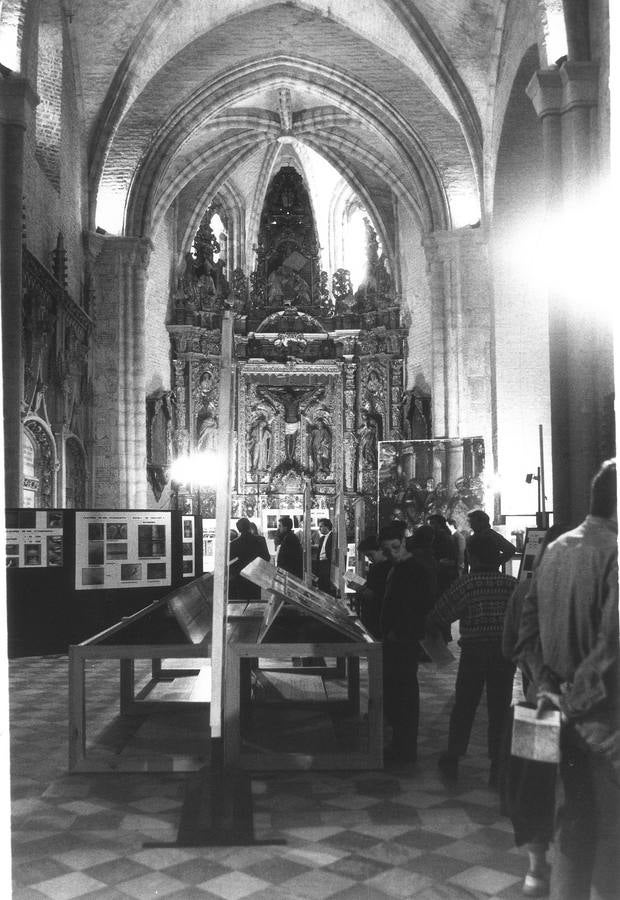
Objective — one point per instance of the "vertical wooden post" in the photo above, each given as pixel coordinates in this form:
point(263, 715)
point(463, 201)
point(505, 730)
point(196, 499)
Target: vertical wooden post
point(225, 451)
point(307, 534)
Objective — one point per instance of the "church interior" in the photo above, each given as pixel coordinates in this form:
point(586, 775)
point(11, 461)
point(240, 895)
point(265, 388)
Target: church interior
point(260, 258)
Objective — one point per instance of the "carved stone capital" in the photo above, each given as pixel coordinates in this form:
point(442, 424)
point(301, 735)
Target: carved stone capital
point(545, 92)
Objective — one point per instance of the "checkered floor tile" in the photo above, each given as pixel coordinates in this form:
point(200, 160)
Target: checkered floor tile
point(396, 833)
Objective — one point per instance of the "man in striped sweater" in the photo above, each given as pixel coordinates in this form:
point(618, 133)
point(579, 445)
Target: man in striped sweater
point(479, 601)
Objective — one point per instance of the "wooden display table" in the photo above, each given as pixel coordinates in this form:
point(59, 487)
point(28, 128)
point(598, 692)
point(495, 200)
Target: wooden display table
point(177, 627)
point(285, 726)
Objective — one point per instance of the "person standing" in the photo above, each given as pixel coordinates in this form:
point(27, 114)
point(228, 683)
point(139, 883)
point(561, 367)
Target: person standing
point(324, 561)
point(407, 601)
point(290, 556)
point(480, 524)
point(479, 601)
point(244, 549)
point(568, 645)
point(527, 787)
point(370, 597)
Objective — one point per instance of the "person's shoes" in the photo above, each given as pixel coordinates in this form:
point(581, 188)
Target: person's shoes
point(449, 766)
point(535, 885)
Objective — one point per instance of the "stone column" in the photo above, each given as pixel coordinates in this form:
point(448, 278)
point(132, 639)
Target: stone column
point(119, 271)
point(545, 92)
point(17, 103)
point(462, 332)
point(565, 101)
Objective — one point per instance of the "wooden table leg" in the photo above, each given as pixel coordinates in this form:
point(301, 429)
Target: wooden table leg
point(128, 683)
point(77, 709)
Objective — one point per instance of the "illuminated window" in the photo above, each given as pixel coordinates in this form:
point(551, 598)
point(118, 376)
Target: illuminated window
point(356, 244)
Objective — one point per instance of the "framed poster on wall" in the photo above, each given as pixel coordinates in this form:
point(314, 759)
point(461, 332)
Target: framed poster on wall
point(188, 548)
point(123, 549)
point(34, 538)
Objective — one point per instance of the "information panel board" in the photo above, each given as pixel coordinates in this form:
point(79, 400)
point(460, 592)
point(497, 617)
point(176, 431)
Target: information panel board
point(122, 549)
point(34, 538)
point(188, 547)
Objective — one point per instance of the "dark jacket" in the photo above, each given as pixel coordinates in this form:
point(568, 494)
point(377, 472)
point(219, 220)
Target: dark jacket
point(245, 548)
point(407, 602)
point(290, 554)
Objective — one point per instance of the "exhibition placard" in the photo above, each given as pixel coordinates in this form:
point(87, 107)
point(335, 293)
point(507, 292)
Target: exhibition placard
point(122, 549)
point(34, 538)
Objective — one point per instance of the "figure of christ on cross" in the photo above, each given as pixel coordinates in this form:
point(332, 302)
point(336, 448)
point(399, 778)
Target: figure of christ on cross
point(294, 404)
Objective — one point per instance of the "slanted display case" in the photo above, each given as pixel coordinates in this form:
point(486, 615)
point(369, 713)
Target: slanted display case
point(159, 725)
point(277, 718)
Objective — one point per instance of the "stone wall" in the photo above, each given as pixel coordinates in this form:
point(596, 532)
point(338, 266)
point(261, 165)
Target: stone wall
point(159, 282)
point(53, 204)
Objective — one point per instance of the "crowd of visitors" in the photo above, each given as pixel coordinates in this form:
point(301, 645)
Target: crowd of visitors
point(549, 641)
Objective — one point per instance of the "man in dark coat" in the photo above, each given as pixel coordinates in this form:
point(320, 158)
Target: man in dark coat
point(244, 549)
point(324, 560)
point(407, 601)
point(290, 553)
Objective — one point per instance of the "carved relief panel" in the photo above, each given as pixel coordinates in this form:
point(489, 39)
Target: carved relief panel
point(290, 427)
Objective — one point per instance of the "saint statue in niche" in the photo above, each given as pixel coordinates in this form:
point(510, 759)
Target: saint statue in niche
point(259, 445)
point(206, 421)
point(368, 436)
point(320, 448)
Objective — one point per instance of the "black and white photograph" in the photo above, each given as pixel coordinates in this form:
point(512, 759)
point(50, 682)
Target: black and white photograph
point(116, 551)
point(94, 576)
point(96, 553)
point(55, 556)
point(318, 293)
point(131, 572)
point(33, 554)
point(155, 571)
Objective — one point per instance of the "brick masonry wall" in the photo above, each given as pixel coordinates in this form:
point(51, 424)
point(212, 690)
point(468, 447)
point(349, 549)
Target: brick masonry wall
point(49, 89)
point(49, 209)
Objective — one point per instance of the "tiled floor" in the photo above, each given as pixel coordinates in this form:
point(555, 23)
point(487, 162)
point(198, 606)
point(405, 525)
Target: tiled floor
point(347, 836)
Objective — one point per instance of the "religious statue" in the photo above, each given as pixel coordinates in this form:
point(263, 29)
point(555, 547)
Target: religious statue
point(320, 448)
point(368, 436)
point(259, 445)
point(206, 421)
point(294, 404)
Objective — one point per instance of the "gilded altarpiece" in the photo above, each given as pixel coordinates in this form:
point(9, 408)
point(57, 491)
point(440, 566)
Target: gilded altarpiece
point(319, 374)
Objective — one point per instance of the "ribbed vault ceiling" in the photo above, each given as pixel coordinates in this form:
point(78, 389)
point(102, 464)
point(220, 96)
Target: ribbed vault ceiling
point(181, 97)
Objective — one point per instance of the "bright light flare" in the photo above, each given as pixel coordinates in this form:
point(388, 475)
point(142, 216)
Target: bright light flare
point(110, 208)
point(198, 469)
point(568, 254)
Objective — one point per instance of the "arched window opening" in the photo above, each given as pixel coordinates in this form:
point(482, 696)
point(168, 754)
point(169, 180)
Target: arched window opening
point(219, 230)
point(356, 244)
point(30, 467)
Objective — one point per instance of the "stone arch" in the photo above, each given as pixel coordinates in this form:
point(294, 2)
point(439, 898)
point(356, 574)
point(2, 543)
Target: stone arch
point(39, 463)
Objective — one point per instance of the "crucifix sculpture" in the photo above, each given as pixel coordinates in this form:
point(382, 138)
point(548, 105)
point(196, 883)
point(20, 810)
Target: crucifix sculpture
point(294, 404)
